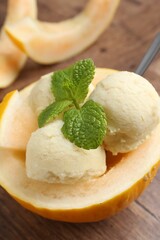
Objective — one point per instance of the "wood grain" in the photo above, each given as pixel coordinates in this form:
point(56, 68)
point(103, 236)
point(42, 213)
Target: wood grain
point(121, 46)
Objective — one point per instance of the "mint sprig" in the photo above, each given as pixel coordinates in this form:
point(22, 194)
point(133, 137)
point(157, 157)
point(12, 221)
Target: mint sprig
point(84, 126)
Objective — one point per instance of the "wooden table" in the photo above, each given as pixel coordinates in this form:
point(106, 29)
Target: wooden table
point(122, 47)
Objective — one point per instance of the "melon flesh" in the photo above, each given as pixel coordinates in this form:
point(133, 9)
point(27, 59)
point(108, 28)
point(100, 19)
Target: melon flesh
point(53, 42)
point(12, 59)
point(17, 122)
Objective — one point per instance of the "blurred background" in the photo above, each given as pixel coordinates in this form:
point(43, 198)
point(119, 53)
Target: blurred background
point(121, 46)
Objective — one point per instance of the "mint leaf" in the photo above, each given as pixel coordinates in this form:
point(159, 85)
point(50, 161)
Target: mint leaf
point(86, 127)
point(61, 84)
point(83, 74)
point(72, 83)
point(52, 111)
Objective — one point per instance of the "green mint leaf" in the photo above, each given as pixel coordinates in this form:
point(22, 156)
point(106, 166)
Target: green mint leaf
point(83, 74)
point(61, 84)
point(86, 127)
point(52, 111)
point(73, 82)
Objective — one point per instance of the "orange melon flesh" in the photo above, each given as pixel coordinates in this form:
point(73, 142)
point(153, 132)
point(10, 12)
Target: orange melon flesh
point(11, 58)
point(17, 122)
point(53, 42)
point(127, 176)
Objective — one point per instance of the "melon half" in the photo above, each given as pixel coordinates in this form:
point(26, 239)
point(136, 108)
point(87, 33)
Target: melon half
point(87, 201)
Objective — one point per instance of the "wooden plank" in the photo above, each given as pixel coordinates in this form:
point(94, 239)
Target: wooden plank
point(121, 46)
point(134, 223)
point(150, 200)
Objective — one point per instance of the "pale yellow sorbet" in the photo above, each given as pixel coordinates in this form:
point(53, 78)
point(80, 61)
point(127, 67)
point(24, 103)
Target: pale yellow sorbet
point(132, 107)
point(51, 158)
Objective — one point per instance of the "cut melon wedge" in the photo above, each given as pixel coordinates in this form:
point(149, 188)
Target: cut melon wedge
point(12, 59)
point(53, 42)
point(127, 176)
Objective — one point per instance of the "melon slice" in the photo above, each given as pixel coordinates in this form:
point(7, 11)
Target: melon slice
point(12, 59)
point(53, 42)
point(127, 176)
